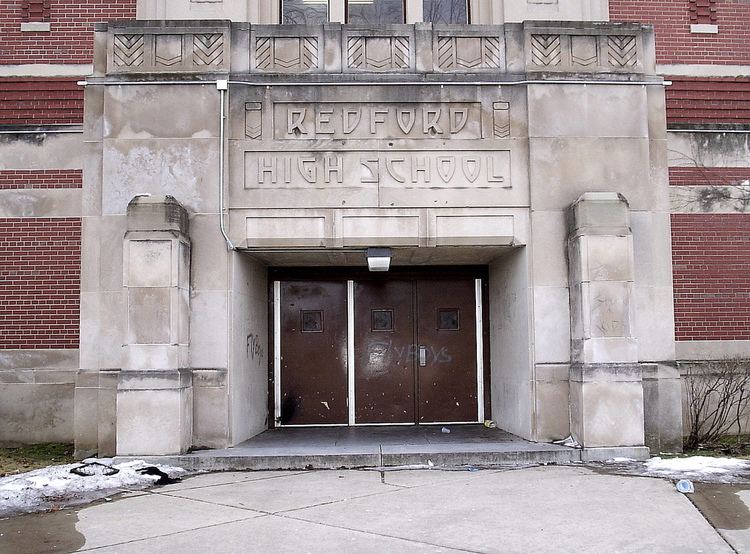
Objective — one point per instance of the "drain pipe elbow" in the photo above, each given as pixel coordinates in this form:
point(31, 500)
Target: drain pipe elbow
point(222, 85)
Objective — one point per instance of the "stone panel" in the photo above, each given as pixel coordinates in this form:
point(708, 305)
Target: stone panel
point(551, 325)
point(208, 268)
point(139, 112)
point(184, 169)
point(300, 230)
point(470, 50)
point(550, 265)
point(36, 413)
point(475, 229)
point(576, 111)
point(208, 329)
point(564, 168)
point(289, 49)
point(390, 49)
point(552, 402)
point(149, 316)
point(149, 263)
point(358, 230)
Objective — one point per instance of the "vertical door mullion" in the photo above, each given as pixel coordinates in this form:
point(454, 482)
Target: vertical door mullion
point(277, 351)
point(415, 350)
point(350, 349)
point(480, 350)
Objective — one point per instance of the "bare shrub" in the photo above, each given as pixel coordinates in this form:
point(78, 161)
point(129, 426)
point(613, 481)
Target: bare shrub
point(718, 399)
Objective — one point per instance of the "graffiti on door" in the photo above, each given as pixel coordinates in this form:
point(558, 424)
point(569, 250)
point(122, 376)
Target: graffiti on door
point(381, 353)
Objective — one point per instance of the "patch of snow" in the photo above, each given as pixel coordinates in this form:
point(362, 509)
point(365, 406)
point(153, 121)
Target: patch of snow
point(620, 460)
point(56, 487)
point(696, 465)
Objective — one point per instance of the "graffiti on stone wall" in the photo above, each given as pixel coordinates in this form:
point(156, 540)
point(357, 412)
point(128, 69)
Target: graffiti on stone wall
point(254, 348)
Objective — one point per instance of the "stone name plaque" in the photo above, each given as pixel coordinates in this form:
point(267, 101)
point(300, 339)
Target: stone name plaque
point(377, 120)
point(368, 169)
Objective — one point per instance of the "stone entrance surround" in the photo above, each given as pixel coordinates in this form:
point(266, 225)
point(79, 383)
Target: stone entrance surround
point(536, 149)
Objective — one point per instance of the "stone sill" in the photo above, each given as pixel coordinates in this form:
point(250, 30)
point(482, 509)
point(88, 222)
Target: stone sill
point(35, 27)
point(704, 28)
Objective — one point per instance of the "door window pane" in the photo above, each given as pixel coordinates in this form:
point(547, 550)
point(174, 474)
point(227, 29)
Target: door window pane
point(372, 12)
point(447, 320)
point(381, 320)
point(304, 12)
point(312, 321)
point(445, 11)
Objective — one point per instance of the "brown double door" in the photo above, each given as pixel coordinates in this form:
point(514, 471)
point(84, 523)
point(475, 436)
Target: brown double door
point(414, 345)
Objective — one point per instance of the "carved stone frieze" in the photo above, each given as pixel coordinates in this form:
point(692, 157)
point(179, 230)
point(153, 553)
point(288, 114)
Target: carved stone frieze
point(584, 50)
point(144, 49)
point(391, 49)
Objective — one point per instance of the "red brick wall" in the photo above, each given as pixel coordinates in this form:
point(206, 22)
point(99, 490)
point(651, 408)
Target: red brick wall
point(41, 179)
point(711, 269)
point(704, 176)
point(40, 101)
point(70, 40)
point(40, 261)
point(674, 41)
point(693, 100)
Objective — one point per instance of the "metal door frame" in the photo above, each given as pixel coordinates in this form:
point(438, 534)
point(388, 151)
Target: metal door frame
point(350, 283)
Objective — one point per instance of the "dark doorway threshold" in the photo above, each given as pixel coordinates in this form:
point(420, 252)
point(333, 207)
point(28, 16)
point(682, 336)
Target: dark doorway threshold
point(375, 446)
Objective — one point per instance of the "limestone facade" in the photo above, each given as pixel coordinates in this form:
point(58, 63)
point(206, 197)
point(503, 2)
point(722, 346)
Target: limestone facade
point(215, 151)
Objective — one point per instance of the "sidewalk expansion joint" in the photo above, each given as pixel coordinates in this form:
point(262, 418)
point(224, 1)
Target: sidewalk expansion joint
point(172, 495)
point(93, 548)
point(290, 474)
point(384, 535)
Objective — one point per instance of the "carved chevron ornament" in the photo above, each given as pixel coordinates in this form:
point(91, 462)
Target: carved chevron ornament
point(623, 51)
point(545, 50)
point(128, 50)
point(208, 49)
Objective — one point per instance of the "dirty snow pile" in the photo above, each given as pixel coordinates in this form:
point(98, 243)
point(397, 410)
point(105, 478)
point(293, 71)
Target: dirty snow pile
point(697, 467)
point(56, 487)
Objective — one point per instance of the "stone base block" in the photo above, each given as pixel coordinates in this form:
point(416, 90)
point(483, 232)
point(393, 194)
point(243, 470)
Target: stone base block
point(154, 412)
point(606, 403)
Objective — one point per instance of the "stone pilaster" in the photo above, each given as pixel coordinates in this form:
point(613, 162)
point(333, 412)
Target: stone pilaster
point(606, 390)
point(154, 393)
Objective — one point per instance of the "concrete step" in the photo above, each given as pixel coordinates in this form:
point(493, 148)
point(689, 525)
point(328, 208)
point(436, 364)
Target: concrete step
point(350, 448)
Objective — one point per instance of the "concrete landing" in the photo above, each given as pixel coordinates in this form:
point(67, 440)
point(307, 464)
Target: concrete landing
point(356, 447)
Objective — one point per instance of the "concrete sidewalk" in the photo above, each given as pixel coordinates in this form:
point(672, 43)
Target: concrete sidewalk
point(539, 509)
